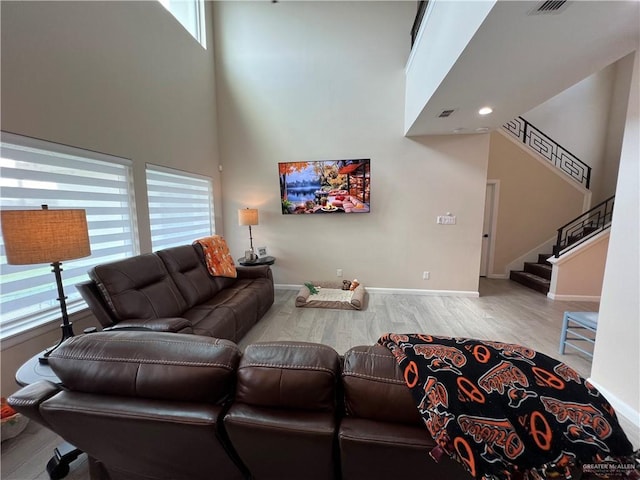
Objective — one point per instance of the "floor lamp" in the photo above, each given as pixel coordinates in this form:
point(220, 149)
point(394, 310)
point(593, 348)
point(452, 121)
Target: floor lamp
point(46, 236)
point(249, 216)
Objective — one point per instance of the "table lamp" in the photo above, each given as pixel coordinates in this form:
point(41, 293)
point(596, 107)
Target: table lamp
point(249, 216)
point(46, 236)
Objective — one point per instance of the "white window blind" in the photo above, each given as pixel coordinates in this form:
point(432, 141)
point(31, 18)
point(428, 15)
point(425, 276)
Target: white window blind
point(35, 172)
point(180, 207)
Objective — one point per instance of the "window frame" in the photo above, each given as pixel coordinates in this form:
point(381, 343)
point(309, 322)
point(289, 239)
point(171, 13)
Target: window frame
point(19, 325)
point(150, 167)
point(197, 31)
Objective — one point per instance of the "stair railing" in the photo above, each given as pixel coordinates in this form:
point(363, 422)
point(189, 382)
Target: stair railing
point(555, 153)
point(584, 227)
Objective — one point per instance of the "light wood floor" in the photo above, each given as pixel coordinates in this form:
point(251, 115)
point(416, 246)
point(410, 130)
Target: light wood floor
point(505, 311)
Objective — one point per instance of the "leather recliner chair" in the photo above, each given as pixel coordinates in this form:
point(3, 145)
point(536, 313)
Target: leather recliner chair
point(284, 416)
point(381, 430)
point(153, 405)
point(142, 405)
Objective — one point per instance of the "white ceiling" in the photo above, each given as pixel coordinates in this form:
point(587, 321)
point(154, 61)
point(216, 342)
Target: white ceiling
point(516, 61)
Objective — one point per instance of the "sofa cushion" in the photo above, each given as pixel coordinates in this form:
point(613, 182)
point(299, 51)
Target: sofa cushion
point(167, 366)
point(374, 387)
point(295, 375)
point(375, 450)
point(189, 273)
point(213, 321)
point(260, 288)
point(230, 314)
point(138, 287)
point(278, 443)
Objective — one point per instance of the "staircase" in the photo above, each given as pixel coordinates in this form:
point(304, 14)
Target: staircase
point(536, 275)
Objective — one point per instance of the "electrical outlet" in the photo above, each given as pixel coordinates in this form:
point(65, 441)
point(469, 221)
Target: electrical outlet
point(425, 275)
point(339, 272)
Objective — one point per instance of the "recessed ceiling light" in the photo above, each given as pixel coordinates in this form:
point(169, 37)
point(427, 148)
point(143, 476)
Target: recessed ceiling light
point(482, 129)
point(485, 110)
point(458, 130)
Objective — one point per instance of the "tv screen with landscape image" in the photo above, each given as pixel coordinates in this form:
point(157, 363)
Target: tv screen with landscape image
point(325, 186)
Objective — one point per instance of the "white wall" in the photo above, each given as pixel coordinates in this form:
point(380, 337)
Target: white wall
point(616, 362)
point(122, 78)
point(588, 120)
point(616, 123)
point(324, 80)
point(527, 184)
point(446, 30)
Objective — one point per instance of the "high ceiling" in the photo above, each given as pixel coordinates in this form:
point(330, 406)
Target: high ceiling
point(517, 60)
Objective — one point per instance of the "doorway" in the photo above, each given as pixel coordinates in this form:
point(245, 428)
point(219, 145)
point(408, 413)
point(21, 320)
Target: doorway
point(489, 227)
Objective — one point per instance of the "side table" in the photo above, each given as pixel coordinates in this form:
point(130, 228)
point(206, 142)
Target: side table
point(259, 261)
point(65, 453)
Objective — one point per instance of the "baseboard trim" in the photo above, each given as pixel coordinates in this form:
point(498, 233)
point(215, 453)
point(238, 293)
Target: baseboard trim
point(498, 276)
point(402, 291)
point(438, 293)
point(574, 298)
point(630, 416)
point(284, 286)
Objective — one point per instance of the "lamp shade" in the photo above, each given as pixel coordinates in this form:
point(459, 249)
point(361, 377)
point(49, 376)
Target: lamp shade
point(44, 236)
point(248, 216)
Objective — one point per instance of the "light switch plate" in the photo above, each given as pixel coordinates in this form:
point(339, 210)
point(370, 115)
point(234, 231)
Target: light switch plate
point(446, 220)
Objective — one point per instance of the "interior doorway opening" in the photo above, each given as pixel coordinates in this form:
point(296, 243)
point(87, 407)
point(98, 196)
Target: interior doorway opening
point(489, 227)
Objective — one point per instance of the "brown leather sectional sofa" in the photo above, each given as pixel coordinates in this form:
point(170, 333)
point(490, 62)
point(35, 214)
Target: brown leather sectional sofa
point(171, 291)
point(149, 405)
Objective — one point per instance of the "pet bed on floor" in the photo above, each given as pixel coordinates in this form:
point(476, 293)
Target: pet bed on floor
point(331, 295)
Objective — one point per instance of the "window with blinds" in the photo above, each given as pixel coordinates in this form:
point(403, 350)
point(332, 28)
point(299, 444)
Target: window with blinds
point(34, 172)
point(180, 207)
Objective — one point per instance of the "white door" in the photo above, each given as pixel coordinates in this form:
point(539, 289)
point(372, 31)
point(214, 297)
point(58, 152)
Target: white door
point(487, 227)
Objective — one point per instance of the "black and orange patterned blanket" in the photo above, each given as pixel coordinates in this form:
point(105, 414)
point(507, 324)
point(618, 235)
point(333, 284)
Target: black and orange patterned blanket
point(506, 411)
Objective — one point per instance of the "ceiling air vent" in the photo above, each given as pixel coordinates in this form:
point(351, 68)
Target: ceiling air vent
point(550, 6)
point(446, 113)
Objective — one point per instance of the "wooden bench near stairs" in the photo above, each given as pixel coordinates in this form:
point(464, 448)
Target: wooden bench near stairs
point(536, 275)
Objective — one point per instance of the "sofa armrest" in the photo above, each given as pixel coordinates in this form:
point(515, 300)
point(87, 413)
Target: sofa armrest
point(91, 294)
point(259, 271)
point(27, 400)
point(168, 324)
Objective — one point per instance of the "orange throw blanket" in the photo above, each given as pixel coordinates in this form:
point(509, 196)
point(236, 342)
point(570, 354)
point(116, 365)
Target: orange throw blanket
point(217, 256)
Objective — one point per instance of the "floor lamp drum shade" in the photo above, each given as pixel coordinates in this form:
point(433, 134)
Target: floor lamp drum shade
point(44, 236)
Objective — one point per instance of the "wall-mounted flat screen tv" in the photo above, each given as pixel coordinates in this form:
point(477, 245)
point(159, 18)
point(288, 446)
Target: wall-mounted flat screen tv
point(325, 187)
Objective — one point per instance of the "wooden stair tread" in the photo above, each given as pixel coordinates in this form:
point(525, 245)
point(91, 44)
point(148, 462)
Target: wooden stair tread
point(543, 270)
point(533, 277)
point(542, 258)
point(531, 280)
point(536, 275)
